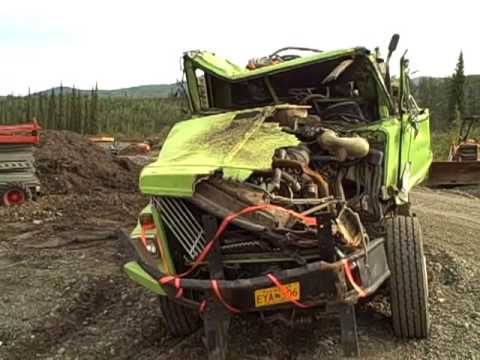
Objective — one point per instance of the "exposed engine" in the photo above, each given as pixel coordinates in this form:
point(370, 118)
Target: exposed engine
point(316, 201)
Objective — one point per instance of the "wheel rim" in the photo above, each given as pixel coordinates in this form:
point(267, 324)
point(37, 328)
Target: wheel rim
point(14, 197)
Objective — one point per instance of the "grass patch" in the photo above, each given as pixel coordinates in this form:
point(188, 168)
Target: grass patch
point(440, 142)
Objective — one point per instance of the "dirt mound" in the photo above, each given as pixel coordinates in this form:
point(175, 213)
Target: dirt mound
point(133, 149)
point(67, 163)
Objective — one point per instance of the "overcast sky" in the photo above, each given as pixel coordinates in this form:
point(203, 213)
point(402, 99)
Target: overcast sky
point(126, 43)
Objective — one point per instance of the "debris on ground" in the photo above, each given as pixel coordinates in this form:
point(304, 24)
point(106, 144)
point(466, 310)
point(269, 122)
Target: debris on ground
point(73, 301)
point(67, 163)
point(136, 149)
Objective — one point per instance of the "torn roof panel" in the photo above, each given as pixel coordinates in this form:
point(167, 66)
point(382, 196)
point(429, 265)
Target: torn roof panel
point(227, 70)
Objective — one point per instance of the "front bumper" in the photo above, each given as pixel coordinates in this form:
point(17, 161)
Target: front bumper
point(321, 283)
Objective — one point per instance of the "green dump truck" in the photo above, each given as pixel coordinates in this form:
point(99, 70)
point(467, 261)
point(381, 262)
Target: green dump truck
point(287, 194)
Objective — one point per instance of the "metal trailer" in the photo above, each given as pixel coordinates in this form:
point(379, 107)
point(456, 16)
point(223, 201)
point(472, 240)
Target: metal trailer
point(18, 182)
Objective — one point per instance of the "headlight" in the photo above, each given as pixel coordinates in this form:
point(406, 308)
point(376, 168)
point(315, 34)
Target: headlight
point(148, 243)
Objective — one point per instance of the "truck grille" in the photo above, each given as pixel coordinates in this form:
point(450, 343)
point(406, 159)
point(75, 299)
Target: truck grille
point(181, 222)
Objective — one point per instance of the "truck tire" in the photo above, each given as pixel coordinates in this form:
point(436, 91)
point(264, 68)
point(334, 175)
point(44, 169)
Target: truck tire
point(408, 280)
point(178, 320)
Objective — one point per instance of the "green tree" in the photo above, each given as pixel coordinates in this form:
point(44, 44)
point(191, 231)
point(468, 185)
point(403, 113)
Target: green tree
point(51, 122)
point(74, 115)
point(78, 115)
point(41, 112)
point(93, 118)
point(61, 109)
point(28, 110)
point(456, 101)
point(89, 112)
point(86, 115)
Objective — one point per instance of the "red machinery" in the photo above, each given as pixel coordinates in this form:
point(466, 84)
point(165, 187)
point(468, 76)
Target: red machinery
point(18, 182)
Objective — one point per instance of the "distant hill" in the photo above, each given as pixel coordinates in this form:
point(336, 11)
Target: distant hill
point(149, 91)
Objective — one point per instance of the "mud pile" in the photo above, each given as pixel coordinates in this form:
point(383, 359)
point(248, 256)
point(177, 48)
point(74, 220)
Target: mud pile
point(67, 163)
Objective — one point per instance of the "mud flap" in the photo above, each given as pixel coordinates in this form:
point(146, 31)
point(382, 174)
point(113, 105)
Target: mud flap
point(216, 318)
point(216, 322)
point(348, 326)
point(374, 271)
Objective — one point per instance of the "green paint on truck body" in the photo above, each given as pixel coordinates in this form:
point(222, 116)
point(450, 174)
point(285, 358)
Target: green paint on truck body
point(138, 275)
point(235, 142)
point(239, 142)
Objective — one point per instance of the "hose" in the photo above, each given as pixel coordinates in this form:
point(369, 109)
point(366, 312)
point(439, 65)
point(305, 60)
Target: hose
point(317, 178)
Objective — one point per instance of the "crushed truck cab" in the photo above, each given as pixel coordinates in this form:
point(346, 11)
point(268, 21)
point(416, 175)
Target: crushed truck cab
point(287, 190)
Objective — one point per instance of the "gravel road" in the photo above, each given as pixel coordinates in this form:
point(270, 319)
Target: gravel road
point(69, 299)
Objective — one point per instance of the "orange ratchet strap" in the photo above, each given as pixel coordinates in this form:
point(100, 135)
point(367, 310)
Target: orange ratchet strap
point(286, 292)
point(226, 221)
point(310, 221)
point(143, 236)
point(216, 290)
point(202, 306)
point(351, 280)
point(178, 287)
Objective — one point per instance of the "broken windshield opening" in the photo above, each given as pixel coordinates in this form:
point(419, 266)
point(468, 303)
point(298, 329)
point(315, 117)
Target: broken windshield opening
point(342, 88)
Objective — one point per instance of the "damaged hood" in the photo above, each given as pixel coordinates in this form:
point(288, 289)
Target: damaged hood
point(235, 142)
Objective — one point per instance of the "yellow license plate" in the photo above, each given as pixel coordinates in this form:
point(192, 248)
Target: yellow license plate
point(273, 295)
